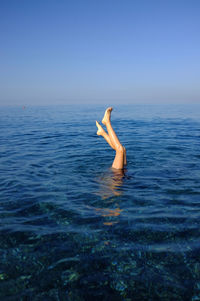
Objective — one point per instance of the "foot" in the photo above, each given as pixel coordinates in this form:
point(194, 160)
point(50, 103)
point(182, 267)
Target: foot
point(100, 129)
point(107, 114)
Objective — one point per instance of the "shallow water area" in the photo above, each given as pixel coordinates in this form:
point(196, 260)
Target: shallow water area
point(71, 228)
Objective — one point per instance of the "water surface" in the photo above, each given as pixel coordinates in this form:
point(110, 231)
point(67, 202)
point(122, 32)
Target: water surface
point(71, 228)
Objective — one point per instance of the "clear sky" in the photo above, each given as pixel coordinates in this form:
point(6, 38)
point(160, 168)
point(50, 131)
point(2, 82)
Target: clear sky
point(92, 51)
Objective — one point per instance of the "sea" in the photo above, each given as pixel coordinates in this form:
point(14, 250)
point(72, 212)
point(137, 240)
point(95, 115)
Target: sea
point(72, 228)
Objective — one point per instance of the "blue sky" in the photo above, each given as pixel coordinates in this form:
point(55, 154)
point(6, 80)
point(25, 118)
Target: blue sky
point(109, 51)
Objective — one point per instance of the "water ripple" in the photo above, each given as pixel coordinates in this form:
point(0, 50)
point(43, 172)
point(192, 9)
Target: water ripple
point(72, 229)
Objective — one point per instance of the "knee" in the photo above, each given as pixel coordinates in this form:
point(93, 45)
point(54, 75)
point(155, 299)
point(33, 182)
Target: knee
point(120, 149)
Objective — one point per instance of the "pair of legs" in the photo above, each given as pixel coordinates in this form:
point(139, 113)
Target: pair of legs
point(112, 139)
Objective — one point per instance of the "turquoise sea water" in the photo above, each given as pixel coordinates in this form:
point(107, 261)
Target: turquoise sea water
point(73, 229)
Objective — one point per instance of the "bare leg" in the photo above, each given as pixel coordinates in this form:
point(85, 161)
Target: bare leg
point(102, 133)
point(125, 162)
point(106, 121)
point(120, 157)
point(118, 162)
point(113, 141)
